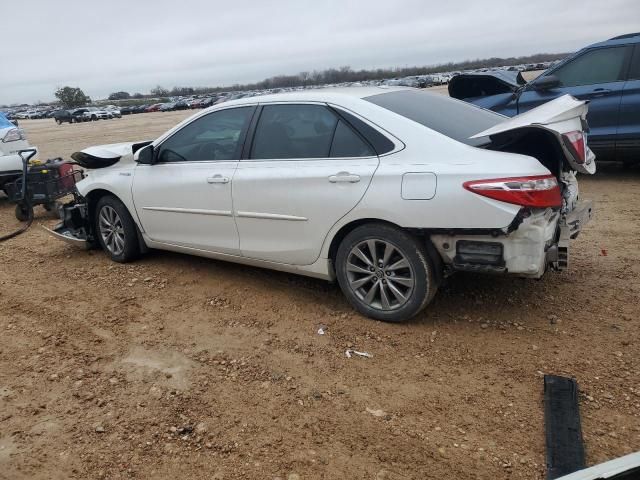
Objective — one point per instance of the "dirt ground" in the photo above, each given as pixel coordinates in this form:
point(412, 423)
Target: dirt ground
point(182, 367)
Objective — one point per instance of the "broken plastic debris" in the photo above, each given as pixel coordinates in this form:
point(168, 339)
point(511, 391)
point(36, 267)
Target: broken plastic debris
point(322, 329)
point(376, 413)
point(348, 353)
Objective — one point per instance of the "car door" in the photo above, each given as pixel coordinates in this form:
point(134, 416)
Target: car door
point(184, 197)
point(305, 169)
point(628, 141)
point(596, 75)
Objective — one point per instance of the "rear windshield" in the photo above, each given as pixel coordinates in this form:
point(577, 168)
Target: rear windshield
point(453, 118)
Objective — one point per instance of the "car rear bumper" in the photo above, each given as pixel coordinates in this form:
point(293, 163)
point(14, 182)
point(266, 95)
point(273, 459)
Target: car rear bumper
point(539, 242)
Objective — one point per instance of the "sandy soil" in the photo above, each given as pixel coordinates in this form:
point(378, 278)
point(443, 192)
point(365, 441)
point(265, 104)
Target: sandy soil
point(182, 367)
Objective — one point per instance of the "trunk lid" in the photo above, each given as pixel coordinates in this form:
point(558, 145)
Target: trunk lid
point(559, 117)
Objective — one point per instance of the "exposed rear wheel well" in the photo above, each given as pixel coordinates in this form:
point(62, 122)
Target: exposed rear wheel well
point(419, 233)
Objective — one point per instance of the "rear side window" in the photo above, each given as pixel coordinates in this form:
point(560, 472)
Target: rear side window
point(294, 131)
point(377, 140)
point(347, 143)
point(454, 118)
point(596, 66)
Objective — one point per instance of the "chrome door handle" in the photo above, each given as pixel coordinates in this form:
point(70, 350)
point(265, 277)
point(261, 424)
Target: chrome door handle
point(218, 179)
point(344, 177)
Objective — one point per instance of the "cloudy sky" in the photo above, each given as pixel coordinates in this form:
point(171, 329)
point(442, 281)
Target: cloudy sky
point(106, 46)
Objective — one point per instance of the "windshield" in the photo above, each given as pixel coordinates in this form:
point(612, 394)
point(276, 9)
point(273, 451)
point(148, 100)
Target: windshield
point(454, 118)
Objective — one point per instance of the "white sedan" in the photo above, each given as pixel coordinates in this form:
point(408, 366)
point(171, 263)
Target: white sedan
point(387, 190)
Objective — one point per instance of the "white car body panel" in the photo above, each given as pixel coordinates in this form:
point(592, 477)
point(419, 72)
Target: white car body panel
point(202, 219)
point(607, 469)
point(261, 216)
point(276, 222)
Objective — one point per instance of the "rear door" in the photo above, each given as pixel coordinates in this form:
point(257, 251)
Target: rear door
point(306, 168)
point(597, 75)
point(628, 141)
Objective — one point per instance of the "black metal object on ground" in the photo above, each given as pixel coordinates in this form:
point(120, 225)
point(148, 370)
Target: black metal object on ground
point(565, 448)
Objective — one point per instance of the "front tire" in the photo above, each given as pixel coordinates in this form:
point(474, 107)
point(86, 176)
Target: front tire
point(116, 231)
point(385, 273)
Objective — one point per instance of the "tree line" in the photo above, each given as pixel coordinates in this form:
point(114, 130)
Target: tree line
point(344, 74)
point(74, 97)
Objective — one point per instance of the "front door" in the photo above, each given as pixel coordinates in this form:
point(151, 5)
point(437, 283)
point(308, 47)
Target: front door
point(184, 198)
point(306, 169)
point(597, 76)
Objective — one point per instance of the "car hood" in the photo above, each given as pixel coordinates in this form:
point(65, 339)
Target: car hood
point(102, 156)
point(482, 84)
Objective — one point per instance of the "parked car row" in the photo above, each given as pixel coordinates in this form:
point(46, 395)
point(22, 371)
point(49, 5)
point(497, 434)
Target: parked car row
point(87, 114)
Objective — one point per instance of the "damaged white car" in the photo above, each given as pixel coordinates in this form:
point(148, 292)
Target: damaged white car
point(387, 190)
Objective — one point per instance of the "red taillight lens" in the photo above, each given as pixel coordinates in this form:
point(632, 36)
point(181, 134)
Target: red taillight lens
point(576, 143)
point(541, 191)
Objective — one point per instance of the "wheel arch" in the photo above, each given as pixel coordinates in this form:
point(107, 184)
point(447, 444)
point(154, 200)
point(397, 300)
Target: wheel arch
point(348, 228)
point(422, 234)
point(93, 197)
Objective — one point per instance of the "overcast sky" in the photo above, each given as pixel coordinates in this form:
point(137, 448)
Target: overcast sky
point(107, 46)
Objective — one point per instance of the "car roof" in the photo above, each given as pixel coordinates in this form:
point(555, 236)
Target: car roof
point(626, 39)
point(328, 94)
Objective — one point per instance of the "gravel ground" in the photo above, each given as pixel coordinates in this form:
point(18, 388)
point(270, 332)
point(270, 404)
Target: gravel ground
point(182, 367)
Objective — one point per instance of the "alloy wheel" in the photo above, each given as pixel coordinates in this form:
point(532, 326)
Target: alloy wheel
point(111, 230)
point(380, 274)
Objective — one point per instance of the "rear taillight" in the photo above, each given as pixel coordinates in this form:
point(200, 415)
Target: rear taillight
point(541, 191)
point(576, 142)
point(13, 135)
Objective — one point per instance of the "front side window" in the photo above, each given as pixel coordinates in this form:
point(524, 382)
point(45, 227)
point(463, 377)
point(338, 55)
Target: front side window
point(603, 65)
point(216, 136)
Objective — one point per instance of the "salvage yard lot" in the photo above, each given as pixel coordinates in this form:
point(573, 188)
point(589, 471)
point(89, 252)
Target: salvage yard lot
point(182, 367)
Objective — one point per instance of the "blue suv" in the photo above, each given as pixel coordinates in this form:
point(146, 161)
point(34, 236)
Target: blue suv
point(607, 74)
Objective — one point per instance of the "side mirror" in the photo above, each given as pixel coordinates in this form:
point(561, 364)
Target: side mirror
point(146, 155)
point(546, 83)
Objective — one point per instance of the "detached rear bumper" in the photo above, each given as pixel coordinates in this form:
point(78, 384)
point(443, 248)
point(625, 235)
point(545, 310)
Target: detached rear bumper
point(540, 241)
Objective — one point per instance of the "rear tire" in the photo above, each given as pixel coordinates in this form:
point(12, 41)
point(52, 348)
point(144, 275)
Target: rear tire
point(385, 273)
point(115, 230)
